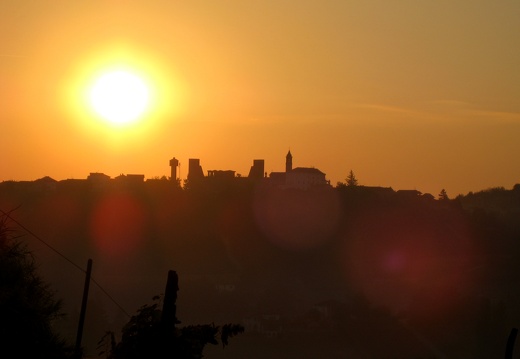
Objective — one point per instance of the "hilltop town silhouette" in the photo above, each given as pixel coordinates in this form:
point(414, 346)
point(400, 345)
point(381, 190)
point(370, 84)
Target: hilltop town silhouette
point(304, 265)
point(297, 178)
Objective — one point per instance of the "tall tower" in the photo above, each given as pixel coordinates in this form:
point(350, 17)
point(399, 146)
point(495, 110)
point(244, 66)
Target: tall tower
point(288, 162)
point(194, 169)
point(257, 169)
point(174, 163)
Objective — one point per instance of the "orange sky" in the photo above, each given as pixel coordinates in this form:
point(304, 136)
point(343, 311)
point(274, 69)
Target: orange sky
point(408, 94)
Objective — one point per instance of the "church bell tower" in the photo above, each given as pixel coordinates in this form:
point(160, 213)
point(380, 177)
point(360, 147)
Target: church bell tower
point(288, 162)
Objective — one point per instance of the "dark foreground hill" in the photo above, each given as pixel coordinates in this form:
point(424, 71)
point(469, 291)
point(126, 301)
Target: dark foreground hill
point(329, 270)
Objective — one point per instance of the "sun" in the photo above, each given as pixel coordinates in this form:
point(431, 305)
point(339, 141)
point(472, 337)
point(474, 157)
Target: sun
point(120, 97)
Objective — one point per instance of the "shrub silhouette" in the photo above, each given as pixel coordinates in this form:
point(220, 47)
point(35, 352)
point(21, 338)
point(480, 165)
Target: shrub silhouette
point(27, 305)
point(152, 334)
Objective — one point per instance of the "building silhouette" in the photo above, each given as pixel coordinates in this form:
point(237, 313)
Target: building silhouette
point(194, 170)
point(130, 179)
point(296, 178)
point(288, 162)
point(305, 178)
point(174, 163)
point(299, 177)
point(257, 170)
point(221, 174)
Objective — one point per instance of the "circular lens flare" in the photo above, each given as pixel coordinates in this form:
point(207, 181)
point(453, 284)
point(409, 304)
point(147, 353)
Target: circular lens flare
point(118, 226)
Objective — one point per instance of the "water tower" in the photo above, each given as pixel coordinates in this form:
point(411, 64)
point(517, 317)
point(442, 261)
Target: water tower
point(174, 163)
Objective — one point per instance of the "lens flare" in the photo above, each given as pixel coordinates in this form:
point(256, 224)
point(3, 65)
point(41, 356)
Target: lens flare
point(297, 220)
point(394, 256)
point(118, 226)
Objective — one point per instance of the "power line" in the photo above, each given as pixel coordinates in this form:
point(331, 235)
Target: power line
point(7, 214)
point(109, 297)
point(41, 240)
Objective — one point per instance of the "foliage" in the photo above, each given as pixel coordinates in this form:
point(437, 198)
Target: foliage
point(351, 179)
point(146, 336)
point(443, 195)
point(27, 305)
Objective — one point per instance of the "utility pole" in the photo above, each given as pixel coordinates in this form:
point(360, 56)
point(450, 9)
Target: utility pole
point(511, 343)
point(169, 313)
point(77, 349)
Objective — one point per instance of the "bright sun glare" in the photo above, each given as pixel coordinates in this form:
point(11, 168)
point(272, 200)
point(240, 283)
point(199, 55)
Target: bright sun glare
point(120, 97)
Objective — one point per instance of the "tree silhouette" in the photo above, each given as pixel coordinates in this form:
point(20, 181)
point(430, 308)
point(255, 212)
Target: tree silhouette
point(152, 333)
point(443, 196)
point(351, 179)
point(27, 305)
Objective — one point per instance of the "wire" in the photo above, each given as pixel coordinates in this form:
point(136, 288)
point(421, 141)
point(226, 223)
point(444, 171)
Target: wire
point(110, 297)
point(7, 214)
point(41, 240)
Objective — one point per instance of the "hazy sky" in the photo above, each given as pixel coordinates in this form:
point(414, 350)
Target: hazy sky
point(408, 94)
